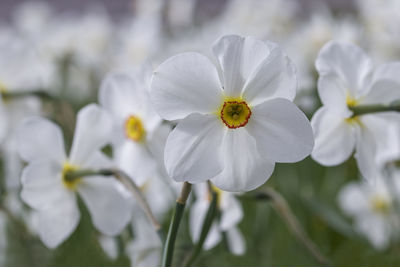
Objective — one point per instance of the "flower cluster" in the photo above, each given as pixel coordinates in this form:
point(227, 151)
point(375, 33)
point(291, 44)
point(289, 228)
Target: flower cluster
point(105, 122)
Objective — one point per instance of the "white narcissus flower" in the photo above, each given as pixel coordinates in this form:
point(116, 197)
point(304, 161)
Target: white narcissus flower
point(137, 127)
point(373, 209)
point(231, 214)
point(47, 191)
point(347, 79)
point(237, 116)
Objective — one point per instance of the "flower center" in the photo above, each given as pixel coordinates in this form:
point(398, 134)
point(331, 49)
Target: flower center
point(71, 184)
point(235, 113)
point(380, 204)
point(134, 129)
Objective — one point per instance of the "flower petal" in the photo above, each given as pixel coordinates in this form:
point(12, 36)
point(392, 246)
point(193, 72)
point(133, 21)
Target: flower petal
point(4, 121)
point(335, 139)
point(109, 209)
point(385, 85)
point(236, 242)
point(232, 212)
point(275, 77)
point(136, 160)
point(348, 62)
point(92, 132)
point(42, 184)
point(238, 58)
point(39, 138)
point(184, 84)
point(333, 93)
point(58, 221)
point(191, 151)
point(281, 130)
point(244, 169)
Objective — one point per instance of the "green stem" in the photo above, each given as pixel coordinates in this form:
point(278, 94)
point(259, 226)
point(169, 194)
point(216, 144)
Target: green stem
point(208, 220)
point(126, 181)
point(174, 226)
point(366, 109)
point(282, 208)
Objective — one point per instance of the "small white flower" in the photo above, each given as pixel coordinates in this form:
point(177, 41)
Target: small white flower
point(137, 127)
point(231, 215)
point(347, 79)
point(45, 188)
point(237, 118)
point(373, 209)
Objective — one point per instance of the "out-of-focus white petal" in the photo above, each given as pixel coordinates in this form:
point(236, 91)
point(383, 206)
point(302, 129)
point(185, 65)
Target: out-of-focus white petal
point(4, 120)
point(191, 151)
point(58, 221)
point(42, 184)
point(243, 168)
point(333, 93)
point(185, 84)
point(136, 160)
point(232, 212)
point(274, 78)
point(335, 139)
point(238, 57)
point(349, 63)
point(385, 85)
point(236, 242)
point(108, 207)
point(92, 132)
point(353, 200)
point(39, 138)
point(376, 229)
point(281, 130)
point(373, 140)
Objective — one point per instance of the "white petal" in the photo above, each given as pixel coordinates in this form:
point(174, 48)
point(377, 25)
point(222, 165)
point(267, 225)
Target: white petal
point(333, 93)
point(4, 121)
point(136, 160)
point(348, 62)
point(92, 132)
point(244, 169)
point(274, 78)
point(238, 58)
point(232, 212)
point(42, 184)
point(335, 139)
point(58, 221)
point(117, 94)
point(109, 209)
point(191, 151)
point(353, 200)
point(184, 84)
point(236, 242)
point(385, 86)
point(376, 229)
point(196, 218)
point(281, 130)
point(39, 138)
point(373, 140)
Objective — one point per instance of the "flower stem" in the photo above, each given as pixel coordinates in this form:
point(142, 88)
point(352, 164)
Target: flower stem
point(282, 208)
point(366, 109)
point(174, 226)
point(211, 212)
point(126, 181)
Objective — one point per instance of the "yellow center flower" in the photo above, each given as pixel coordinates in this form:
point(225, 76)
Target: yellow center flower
point(352, 102)
point(70, 184)
point(134, 129)
point(380, 204)
point(235, 113)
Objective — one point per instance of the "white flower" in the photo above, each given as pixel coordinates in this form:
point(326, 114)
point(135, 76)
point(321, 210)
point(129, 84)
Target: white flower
point(348, 79)
point(137, 127)
point(45, 188)
point(373, 209)
point(237, 118)
point(231, 214)
point(145, 250)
